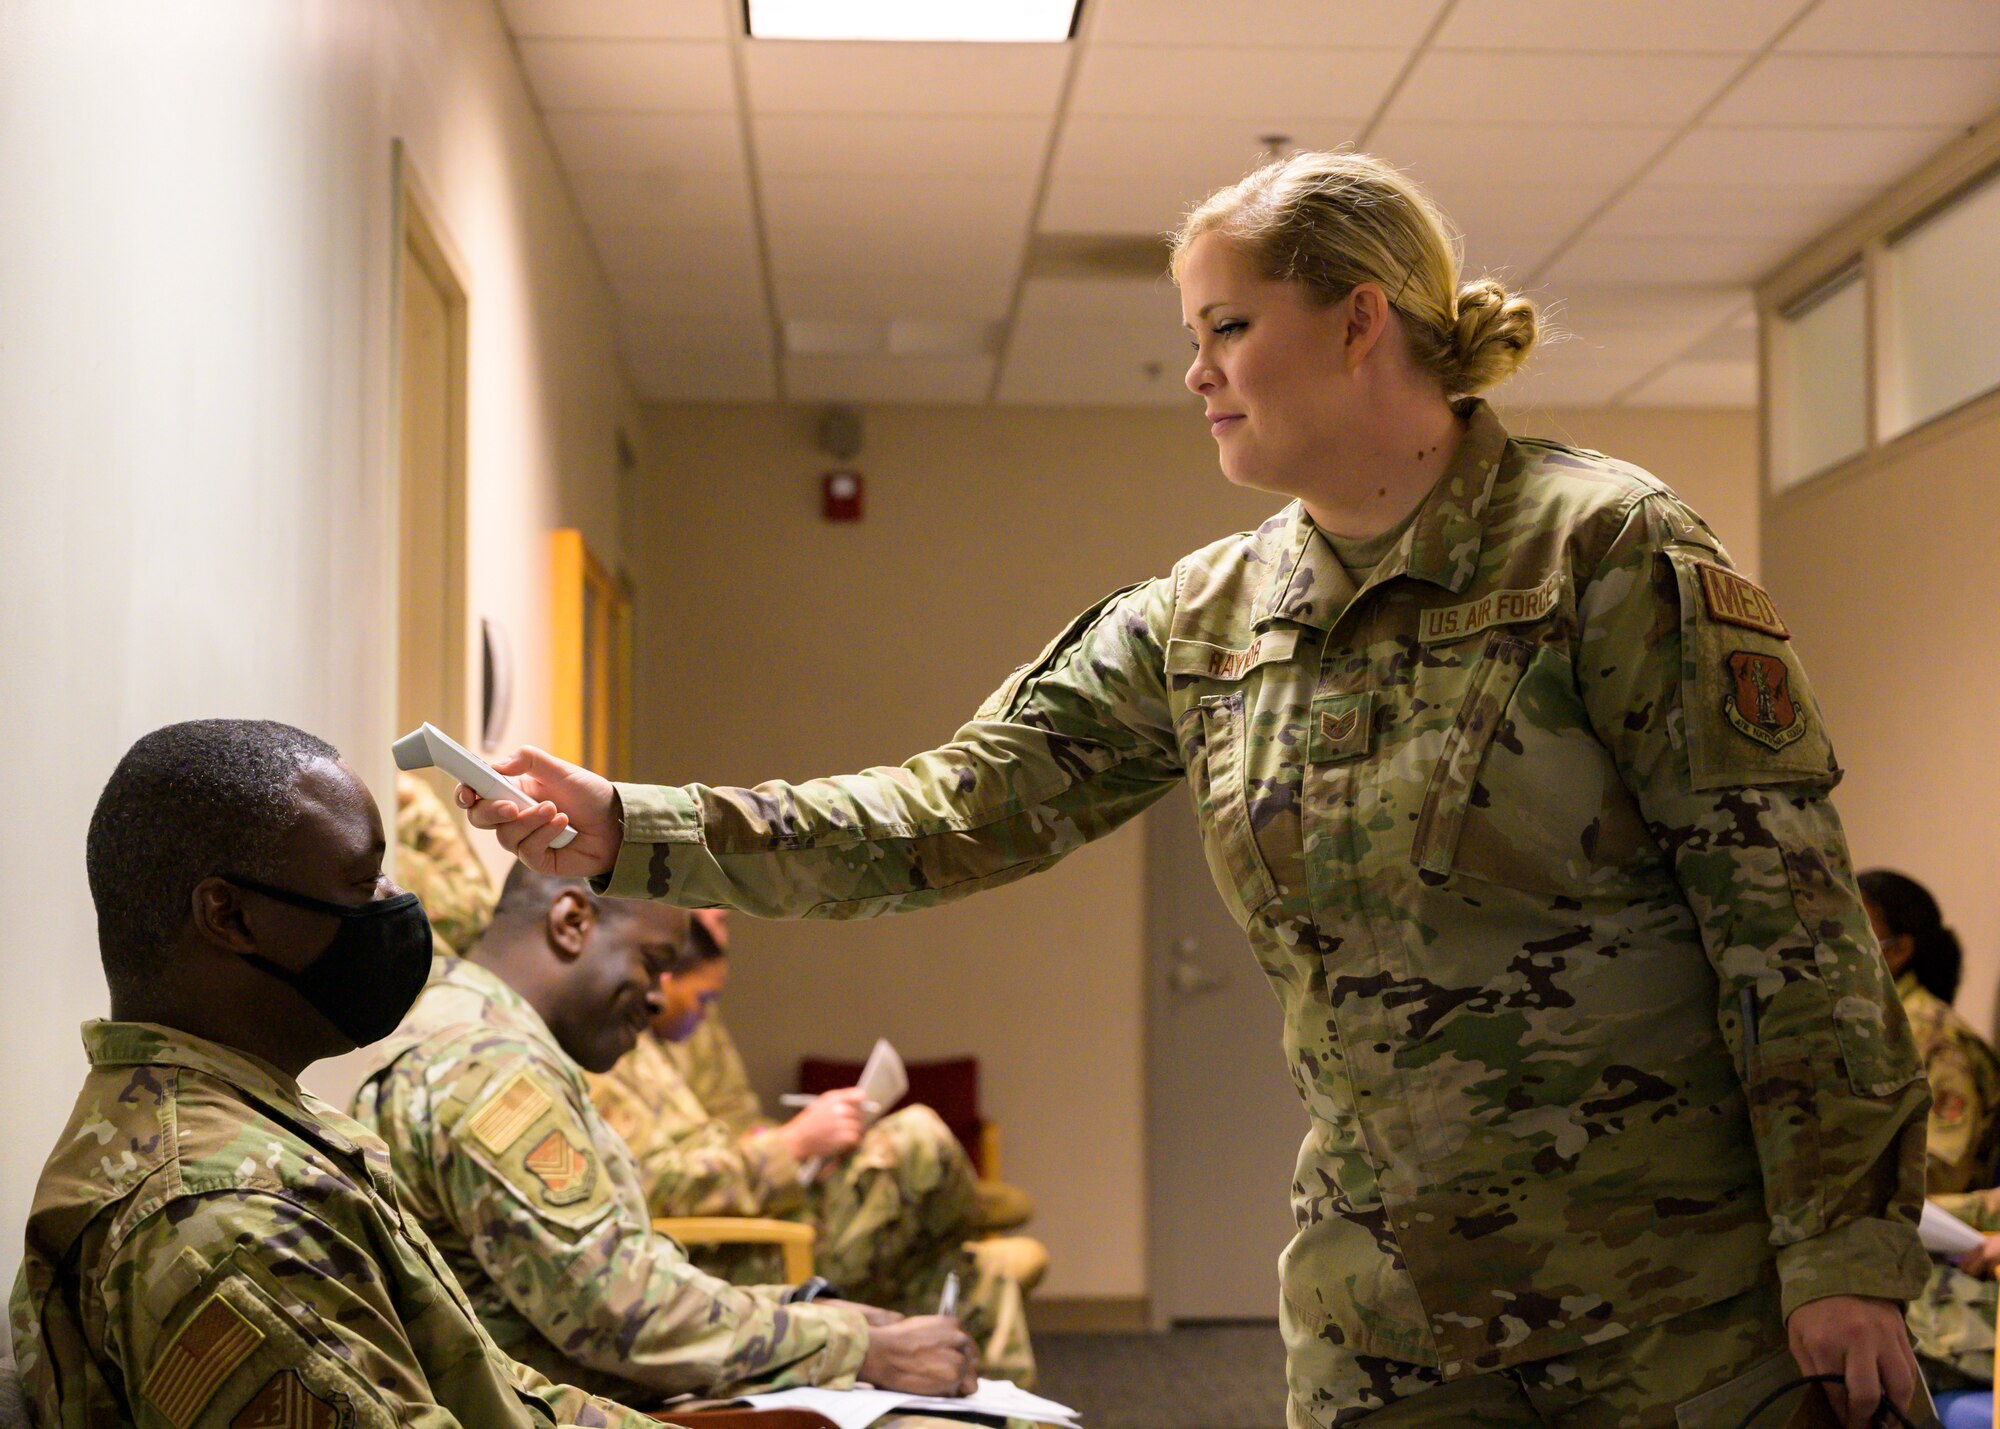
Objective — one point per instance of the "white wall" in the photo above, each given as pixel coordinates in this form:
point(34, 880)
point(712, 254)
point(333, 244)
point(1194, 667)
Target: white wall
point(196, 416)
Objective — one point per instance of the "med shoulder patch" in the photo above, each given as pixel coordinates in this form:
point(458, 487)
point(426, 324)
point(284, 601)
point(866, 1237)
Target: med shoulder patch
point(285, 1403)
point(1750, 716)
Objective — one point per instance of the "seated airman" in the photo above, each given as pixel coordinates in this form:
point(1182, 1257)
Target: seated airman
point(210, 1244)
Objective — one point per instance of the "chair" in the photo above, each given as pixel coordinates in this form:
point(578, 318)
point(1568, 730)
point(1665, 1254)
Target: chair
point(949, 1087)
point(794, 1240)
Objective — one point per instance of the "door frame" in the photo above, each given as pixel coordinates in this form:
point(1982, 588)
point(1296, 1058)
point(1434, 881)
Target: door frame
point(421, 237)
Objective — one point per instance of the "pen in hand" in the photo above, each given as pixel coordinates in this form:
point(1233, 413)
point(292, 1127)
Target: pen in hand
point(948, 1302)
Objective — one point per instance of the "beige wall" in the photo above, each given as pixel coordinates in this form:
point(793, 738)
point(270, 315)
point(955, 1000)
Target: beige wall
point(1879, 572)
point(197, 497)
point(772, 645)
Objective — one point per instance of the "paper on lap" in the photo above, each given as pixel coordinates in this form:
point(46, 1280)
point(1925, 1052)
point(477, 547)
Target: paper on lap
point(859, 1408)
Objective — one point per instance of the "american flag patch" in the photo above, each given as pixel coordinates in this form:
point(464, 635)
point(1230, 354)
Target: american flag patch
point(207, 1350)
point(285, 1403)
point(508, 1113)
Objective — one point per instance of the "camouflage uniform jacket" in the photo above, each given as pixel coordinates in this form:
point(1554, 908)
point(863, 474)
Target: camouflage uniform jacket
point(210, 1244)
point(1964, 1075)
point(436, 862)
point(1512, 830)
point(713, 1069)
point(694, 1164)
point(539, 1208)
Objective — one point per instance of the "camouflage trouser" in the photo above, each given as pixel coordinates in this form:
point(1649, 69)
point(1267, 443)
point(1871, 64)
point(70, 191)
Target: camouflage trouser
point(1702, 1370)
point(893, 1217)
point(1951, 1324)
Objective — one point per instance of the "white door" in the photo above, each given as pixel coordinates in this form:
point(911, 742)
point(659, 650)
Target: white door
point(1224, 1123)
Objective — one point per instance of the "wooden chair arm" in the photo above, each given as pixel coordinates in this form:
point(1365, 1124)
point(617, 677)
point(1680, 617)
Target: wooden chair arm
point(989, 1151)
point(794, 1240)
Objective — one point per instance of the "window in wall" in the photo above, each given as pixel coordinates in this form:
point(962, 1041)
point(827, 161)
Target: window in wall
point(1823, 368)
point(1944, 307)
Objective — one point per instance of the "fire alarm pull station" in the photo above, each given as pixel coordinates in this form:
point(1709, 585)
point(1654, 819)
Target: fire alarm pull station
point(840, 493)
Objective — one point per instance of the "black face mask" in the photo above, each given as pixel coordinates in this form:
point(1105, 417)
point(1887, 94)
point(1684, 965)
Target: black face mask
point(373, 969)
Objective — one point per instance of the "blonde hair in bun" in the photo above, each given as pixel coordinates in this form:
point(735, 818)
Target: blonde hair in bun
point(1332, 221)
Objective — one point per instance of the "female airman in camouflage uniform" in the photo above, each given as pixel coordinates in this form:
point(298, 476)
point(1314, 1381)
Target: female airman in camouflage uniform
point(1519, 792)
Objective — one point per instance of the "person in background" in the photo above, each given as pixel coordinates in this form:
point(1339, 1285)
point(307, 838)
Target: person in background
point(893, 1204)
point(1951, 1322)
point(537, 1205)
point(1963, 1136)
point(209, 1243)
point(435, 862)
point(713, 1069)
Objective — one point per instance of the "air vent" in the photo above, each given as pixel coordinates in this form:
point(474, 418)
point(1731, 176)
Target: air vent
point(1098, 255)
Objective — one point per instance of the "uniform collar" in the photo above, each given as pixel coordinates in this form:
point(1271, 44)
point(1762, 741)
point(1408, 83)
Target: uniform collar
point(1442, 546)
point(504, 1007)
point(1906, 983)
point(149, 1044)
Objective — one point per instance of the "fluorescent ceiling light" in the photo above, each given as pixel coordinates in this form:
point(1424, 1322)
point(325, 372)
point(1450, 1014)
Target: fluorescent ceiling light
point(1017, 21)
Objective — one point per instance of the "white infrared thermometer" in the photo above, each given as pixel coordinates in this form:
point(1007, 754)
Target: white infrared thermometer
point(430, 747)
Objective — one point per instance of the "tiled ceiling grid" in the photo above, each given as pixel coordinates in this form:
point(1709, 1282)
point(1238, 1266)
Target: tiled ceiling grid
point(853, 222)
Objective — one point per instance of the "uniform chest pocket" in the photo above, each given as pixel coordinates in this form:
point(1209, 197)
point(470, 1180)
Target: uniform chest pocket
point(1215, 737)
point(1449, 794)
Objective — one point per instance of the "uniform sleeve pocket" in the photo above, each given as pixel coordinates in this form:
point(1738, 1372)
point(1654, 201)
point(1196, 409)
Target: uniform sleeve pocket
point(1782, 1086)
point(1216, 739)
point(238, 1354)
point(1868, 1014)
point(1449, 793)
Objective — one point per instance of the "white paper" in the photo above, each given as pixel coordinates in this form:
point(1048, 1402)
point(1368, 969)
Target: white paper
point(884, 1079)
point(858, 1408)
point(1945, 1234)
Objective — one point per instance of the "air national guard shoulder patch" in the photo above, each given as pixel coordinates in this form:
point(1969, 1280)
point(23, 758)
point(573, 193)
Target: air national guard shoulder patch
point(1735, 601)
point(566, 1173)
point(1760, 704)
point(194, 1364)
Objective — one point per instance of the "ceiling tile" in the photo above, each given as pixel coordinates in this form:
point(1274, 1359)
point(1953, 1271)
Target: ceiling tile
point(1575, 373)
point(1084, 342)
point(1495, 204)
point(1943, 27)
point(1698, 384)
point(667, 375)
point(1238, 83)
point(690, 291)
point(1523, 155)
point(1673, 313)
point(815, 77)
point(682, 76)
point(1873, 89)
point(1326, 24)
point(1792, 154)
point(904, 145)
point(1137, 203)
point(1211, 154)
point(816, 280)
point(1795, 212)
point(1726, 26)
point(1596, 260)
point(619, 19)
point(649, 337)
point(1543, 88)
point(646, 143)
point(888, 379)
point(948, 204)
point(700, 200)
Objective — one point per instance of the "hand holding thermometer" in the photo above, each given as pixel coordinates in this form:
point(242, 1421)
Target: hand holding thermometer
point(430, 747)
